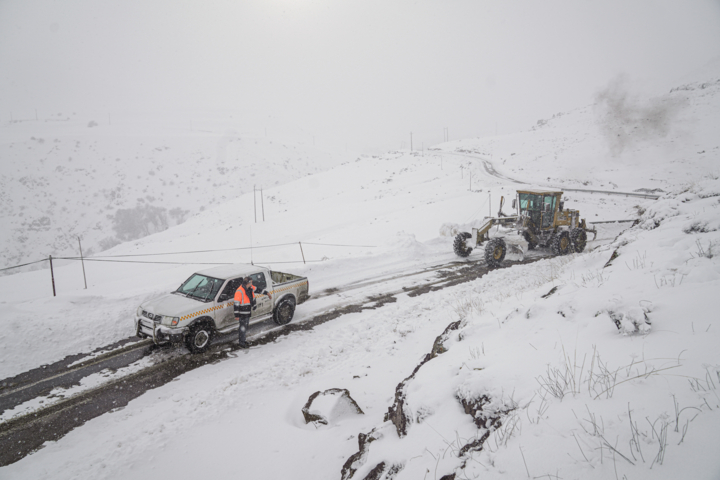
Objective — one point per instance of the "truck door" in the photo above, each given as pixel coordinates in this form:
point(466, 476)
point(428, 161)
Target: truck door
point(263, 304)
point(225, 315)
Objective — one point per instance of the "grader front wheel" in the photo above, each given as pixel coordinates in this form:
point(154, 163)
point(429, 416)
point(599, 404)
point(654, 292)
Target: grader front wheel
point(579, 239)
point(459, 246)
point(495, 252)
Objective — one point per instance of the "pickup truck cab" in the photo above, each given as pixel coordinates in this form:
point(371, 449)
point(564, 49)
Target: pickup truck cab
point(203, 305)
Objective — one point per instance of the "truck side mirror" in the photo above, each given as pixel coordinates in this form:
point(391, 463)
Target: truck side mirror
point(223, 298)
point(514, 204)
point(562, 204)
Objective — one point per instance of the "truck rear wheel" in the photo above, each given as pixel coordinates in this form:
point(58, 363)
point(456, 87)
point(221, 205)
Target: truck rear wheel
point(284, 311)
point(198, 338)
point(495, 252)
point(459, 246)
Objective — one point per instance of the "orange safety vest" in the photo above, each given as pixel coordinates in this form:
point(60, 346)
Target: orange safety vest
point(241, 297)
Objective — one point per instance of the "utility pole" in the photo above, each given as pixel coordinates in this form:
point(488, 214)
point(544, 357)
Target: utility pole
point(52, 275)
point(82, 261)
point(262, 203)
point(254, 205)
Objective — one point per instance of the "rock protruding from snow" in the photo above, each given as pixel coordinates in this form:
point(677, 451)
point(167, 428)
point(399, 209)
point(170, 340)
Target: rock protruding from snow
point(383, 471)
point(324, 408)
point(399, 413)
point(359, 458)
point(484, 417)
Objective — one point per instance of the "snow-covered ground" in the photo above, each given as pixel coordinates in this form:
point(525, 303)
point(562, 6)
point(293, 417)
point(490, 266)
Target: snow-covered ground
point(110, 181)
point(580, 367)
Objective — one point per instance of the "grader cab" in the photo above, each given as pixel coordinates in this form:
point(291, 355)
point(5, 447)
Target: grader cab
point(540, 220)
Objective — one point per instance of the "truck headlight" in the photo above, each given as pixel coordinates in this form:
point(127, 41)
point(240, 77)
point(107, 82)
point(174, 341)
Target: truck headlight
point(175, 321)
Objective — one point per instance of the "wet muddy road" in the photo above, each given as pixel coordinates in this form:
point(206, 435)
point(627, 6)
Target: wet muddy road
point(24, 433)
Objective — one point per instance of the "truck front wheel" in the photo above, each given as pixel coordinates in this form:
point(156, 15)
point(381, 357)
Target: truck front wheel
point(284, 311)
point(198, 338)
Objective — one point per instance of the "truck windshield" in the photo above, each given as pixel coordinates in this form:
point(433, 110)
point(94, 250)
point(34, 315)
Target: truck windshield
point(200, 287)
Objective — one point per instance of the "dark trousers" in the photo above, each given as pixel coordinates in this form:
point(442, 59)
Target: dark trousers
point(244, 323)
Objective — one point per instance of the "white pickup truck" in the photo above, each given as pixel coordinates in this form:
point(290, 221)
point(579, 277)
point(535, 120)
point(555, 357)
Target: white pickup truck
point(203, 305)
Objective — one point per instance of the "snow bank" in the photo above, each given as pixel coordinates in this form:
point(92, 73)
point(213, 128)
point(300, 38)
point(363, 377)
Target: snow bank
point(612, 364)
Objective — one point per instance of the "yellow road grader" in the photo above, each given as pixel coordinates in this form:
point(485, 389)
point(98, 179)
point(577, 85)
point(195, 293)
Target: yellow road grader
point(540, 221)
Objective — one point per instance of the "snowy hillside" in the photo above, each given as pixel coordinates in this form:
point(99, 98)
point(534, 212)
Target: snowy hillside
point(595, 365)
point(574, 367)
point(623, 142)
point(65, 177)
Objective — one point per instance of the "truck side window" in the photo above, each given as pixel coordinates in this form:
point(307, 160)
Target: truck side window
point(259, 281)
point(231, 287)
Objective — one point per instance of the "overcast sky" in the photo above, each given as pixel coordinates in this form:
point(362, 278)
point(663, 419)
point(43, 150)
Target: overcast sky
point(362, 72)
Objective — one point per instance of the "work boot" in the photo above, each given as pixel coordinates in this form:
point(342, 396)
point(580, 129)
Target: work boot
point(244, 345)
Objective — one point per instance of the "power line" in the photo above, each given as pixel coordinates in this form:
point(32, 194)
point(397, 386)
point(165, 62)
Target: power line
point(107, 258)
point(175, 263)
point(336, 245)
point(23, 265)
point(193, 251)
point(142, 261)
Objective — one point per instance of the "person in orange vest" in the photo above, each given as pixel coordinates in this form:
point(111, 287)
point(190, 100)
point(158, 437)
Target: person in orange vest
point(244, 303)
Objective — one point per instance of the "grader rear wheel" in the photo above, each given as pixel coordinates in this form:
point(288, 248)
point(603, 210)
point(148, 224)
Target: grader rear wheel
point(495, 252)
point(460, 247)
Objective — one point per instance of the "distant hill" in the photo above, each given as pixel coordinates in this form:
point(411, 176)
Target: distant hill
point(64, 177)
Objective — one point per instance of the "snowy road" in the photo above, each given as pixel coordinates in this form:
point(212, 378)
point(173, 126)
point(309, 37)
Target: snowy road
point(492, 173)
point(34, 412)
